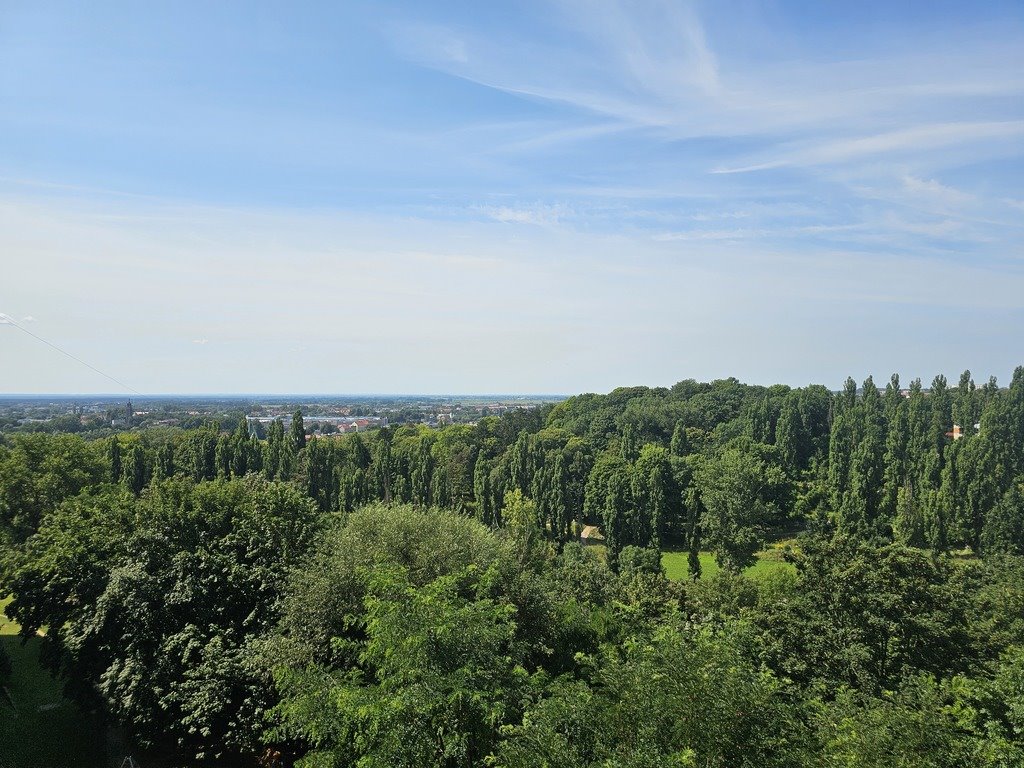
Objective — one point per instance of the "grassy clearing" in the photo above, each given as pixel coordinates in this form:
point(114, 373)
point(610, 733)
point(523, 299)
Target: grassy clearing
point(7, 627)
point(677, 567)
point(42, 728)
point(770, 561)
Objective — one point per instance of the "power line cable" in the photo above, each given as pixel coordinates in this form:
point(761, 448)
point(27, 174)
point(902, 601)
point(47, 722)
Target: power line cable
point(8, 320)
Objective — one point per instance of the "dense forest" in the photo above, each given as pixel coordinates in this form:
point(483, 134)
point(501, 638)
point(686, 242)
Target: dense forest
point(421, 597)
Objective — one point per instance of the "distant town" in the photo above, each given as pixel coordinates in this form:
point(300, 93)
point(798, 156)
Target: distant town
point(322, 415)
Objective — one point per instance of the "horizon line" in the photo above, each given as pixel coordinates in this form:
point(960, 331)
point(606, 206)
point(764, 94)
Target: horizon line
point(109, 395)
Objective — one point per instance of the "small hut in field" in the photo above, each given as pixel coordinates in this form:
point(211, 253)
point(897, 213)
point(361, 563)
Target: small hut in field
point(591, 534)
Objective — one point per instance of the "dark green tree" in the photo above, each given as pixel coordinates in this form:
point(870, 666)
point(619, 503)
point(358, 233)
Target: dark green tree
point(1003, 531)
point(154, 606)
point(680, 445)
point(791, 436)
point(896, 471)
point(965, 412)
point(114, 454)
point(136, 469)
point(274, 461)
point(656, 499)
point(615, 513)
point(482, 490)
point(298, 432)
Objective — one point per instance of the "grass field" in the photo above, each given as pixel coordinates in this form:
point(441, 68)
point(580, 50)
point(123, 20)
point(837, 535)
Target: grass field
point(677, 568)
point(42, 728)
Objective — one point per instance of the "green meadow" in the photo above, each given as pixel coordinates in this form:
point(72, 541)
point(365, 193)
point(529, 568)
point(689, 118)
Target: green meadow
point(677, 567)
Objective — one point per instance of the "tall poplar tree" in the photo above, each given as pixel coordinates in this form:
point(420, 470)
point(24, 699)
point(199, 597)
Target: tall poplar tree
point(965, 414)
point(942, 413)
point(861, 506)
point(615, 512)
point(114, 455)
point(482, 489)
point(273, 465)
point(298, 431)
point(895, 473)
point(790, 435)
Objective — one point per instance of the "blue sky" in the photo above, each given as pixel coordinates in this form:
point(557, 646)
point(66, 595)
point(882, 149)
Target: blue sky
point(537, 197)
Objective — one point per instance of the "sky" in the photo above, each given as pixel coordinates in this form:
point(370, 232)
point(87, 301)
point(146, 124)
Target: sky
point(554, 197)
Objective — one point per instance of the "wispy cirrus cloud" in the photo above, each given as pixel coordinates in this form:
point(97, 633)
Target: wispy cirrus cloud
point(914, 140)
point(652, 65)
point(679, 116)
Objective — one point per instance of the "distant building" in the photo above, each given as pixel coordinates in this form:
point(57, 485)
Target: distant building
point(591, 534)
point(957, 432)
point(344, 424)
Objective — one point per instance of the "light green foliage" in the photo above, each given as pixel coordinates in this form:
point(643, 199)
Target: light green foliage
point(401, 644)
point(740, 490)
point(443, 672)
point(866, 616)
point(941, 724)
point(327, 594)
point(519, 512)
point(38, 471)
point(681, 698)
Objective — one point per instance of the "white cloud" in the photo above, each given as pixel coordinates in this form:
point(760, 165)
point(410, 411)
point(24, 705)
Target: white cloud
point(935, 191)
point(538, 214)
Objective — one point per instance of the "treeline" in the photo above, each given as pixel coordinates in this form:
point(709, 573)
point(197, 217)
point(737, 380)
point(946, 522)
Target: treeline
point(695, 466)
point(680, 467)
point(417, 597)
point(939, 469)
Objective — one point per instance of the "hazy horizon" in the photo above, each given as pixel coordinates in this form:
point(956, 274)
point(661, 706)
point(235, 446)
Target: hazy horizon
point(880, 380)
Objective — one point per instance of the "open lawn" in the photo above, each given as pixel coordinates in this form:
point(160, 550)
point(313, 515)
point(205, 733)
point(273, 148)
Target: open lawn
point(38, 726)
point(7, 627)
point(677, 568)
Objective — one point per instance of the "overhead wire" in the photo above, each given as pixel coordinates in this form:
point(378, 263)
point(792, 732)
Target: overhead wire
point(6, 319)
